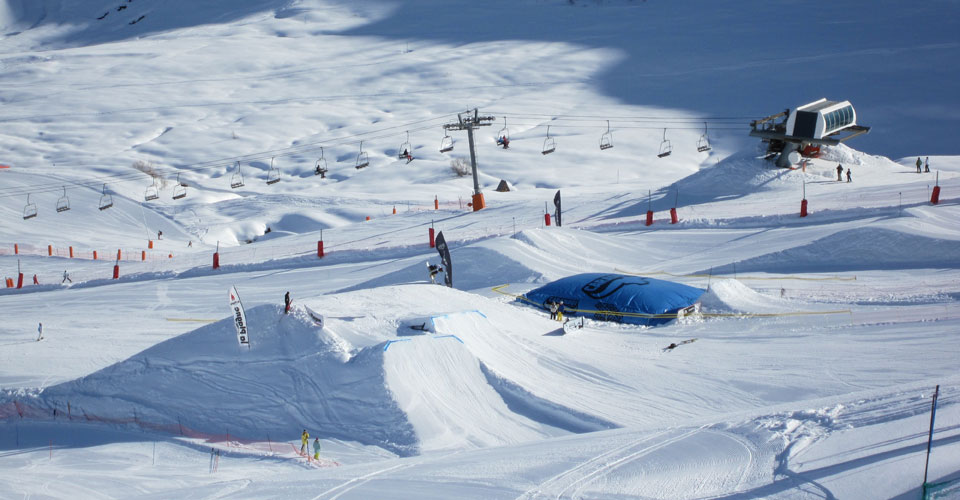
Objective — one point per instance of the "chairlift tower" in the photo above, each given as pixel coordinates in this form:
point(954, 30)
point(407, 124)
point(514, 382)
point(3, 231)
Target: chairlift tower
point(469, 120)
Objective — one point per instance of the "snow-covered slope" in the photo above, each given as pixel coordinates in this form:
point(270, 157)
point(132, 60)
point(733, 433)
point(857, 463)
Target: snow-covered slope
point(809, 373)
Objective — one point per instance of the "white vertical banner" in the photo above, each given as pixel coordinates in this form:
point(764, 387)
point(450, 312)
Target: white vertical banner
point(239, 317)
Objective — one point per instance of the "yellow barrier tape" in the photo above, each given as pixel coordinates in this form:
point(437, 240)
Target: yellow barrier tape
point(716, 276)
point(499, 289)
point(193, 320)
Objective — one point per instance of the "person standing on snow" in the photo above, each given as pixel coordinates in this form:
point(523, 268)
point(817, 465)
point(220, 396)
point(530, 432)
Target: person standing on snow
point(840, 172)
point(849, 179)
point(926, 165)
point(553, 309)
point(304, 441)
point(40, 332)
point(316, 448)
point(919, 163)
point(66, 277)
point(286, 305)
point(434, 271)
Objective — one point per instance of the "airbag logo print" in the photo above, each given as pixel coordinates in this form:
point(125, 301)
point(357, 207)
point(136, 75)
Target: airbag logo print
point(608, 284)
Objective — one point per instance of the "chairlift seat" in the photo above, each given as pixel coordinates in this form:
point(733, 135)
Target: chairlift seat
point(236, 182)
point(362, 161)
point(273, 176)
point(151, 194)
point(703, 144)
point(180, 191)
point(549, 146)
point(30, 211)
point(665, 149)
point(446, 144)
point(106, 199)
point(63, 206)
point(605, 145)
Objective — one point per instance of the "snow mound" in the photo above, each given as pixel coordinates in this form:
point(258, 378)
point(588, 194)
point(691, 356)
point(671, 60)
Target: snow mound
point(732, 296)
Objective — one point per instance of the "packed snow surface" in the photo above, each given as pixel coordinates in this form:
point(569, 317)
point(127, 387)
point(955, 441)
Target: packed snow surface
point(809, 372)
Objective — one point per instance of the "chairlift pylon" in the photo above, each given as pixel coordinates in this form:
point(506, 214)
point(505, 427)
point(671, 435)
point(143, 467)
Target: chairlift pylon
point(665, 147)
point(180, 190)
point(30, 209)
point(63, 204)
point(106, 199)
point(237, 179)
point(703, 144)
point(606, 140)
point(362, 159)
point(273, 175)
point(151, 193)
point(405, 151)
point(446, 144)
point(321, 167)
point(549, 144)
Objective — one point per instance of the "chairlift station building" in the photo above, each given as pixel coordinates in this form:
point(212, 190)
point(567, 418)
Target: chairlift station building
point(808, 127)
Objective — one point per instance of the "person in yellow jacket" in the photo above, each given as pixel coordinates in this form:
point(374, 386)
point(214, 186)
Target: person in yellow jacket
point(316, 448)
point(304, 440)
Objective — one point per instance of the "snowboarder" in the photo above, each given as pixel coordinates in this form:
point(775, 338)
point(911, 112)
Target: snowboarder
point(316, 448)
point(159, 235)
point(286, 303)
point(840, 172)
point(434, 271)
point(926, 165)
point(190, 244)
point(919, 163)
point(39, 332)
point(66, 277)
point(849, 178)
point(553, 309)
point(304, 441)
point(35, 280)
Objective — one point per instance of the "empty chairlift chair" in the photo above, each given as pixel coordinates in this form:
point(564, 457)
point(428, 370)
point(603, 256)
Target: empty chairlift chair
point(606, 140)
point(30, 209)
point(63, 204)
point(703, 144)
point(321, 167)
point(665, 147)
point(180, 190)
point(405, 151)
point(106, 199)
point(237, 180)
point(446, 144)
point(549, 144)
point(362, 159)
point(273, 175)
point(152, 192)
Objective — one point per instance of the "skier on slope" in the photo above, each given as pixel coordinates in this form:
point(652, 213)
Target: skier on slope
point(316, 448)
point(919, 164)
point(286, 304)
point(926, 165)
point(40, 332)
point(304, 441)
point(66, 277)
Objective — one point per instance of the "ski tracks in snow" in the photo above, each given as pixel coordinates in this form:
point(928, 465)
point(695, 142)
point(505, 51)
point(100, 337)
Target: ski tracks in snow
point(579, 476)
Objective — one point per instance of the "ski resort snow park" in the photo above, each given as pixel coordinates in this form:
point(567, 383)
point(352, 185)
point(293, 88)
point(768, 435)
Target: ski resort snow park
point(462, 249)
